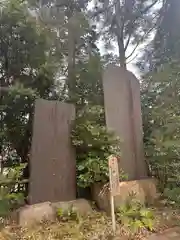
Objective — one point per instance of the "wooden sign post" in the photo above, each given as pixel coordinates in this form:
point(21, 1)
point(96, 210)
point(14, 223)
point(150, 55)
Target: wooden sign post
point(114, 186)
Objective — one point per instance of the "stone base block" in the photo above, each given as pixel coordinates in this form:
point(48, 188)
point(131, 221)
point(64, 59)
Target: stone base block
point(33, 214)
point(143, 190)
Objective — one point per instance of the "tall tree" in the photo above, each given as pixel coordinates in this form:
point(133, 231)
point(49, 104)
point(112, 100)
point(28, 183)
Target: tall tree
point(74, 33)
point(161, 115)
point(33, 60)
point(160, 96)
point(27, 71)
point(165, 45)
point(126, 23)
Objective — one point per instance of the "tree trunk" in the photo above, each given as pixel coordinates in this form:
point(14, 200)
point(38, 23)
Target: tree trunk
point(71, 81)
point(71, 66)
point(122, 57)
point(120, 34)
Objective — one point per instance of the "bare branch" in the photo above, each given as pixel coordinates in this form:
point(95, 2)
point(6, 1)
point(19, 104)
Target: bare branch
point(132, 59)
point(137, 45)
point(128, 40)
point(147, 8)
point(142, 12)
point(142, 38)
point(132, 21)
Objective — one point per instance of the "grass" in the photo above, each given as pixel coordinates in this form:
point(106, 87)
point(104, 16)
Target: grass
point(96, 226)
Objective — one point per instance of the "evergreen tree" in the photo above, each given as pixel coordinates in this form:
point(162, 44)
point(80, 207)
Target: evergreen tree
point(27, 68)
point(165, 45)
point(160, 97)
point(124, 23)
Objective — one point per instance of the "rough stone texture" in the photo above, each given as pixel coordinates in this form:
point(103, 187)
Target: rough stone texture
point(123, 116)
point(82, 206)
point(143, 190)
point(170, 234)
point(141, 168)
point(52, 161)
point(32, 214)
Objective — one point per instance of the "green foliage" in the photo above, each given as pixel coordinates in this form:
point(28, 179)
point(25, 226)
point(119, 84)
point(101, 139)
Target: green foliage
point(164, 47)
point(28, 68)
point(33, 61)
point(172, 195)
point(10, 197)
point(135, 216)
point(89, 81)
point(161, 124)
point(34, 64)
point(68, 215)
point(94, 144)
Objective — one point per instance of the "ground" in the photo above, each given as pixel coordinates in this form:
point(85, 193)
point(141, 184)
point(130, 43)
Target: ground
point(170, 234)
point(95, 227)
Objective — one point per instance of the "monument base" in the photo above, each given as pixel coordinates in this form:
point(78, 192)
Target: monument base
point(143, 190)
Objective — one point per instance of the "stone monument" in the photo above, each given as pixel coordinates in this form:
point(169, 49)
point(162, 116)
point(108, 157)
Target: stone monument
point(52, 161)
point(123, 116)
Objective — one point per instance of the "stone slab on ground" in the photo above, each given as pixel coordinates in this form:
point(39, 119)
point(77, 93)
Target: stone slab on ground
point(170, 234)
point(32, 214)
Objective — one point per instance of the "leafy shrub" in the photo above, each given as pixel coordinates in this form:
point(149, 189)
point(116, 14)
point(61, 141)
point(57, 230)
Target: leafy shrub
point(163, 155)
point(134, 215)
point(10, 197)
point(94, 144)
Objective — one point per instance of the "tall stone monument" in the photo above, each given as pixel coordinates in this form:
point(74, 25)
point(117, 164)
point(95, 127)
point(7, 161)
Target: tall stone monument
point(52, 162)
point(123, 116)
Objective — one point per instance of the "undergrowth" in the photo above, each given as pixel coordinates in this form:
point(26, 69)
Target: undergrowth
point(135, 215)
point(96, 226)
point(68, 215)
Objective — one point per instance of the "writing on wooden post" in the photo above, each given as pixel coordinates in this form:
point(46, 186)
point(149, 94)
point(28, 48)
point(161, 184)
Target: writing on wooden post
point(113, 175)
point(114, 186)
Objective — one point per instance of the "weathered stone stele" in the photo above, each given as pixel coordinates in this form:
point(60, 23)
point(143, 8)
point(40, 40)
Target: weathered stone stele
point(52, 162)
point(141, 170)
point(123, 116)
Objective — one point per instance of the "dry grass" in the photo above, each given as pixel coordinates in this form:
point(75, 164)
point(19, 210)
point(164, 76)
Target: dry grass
point(97, 226)
point(94, 227)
